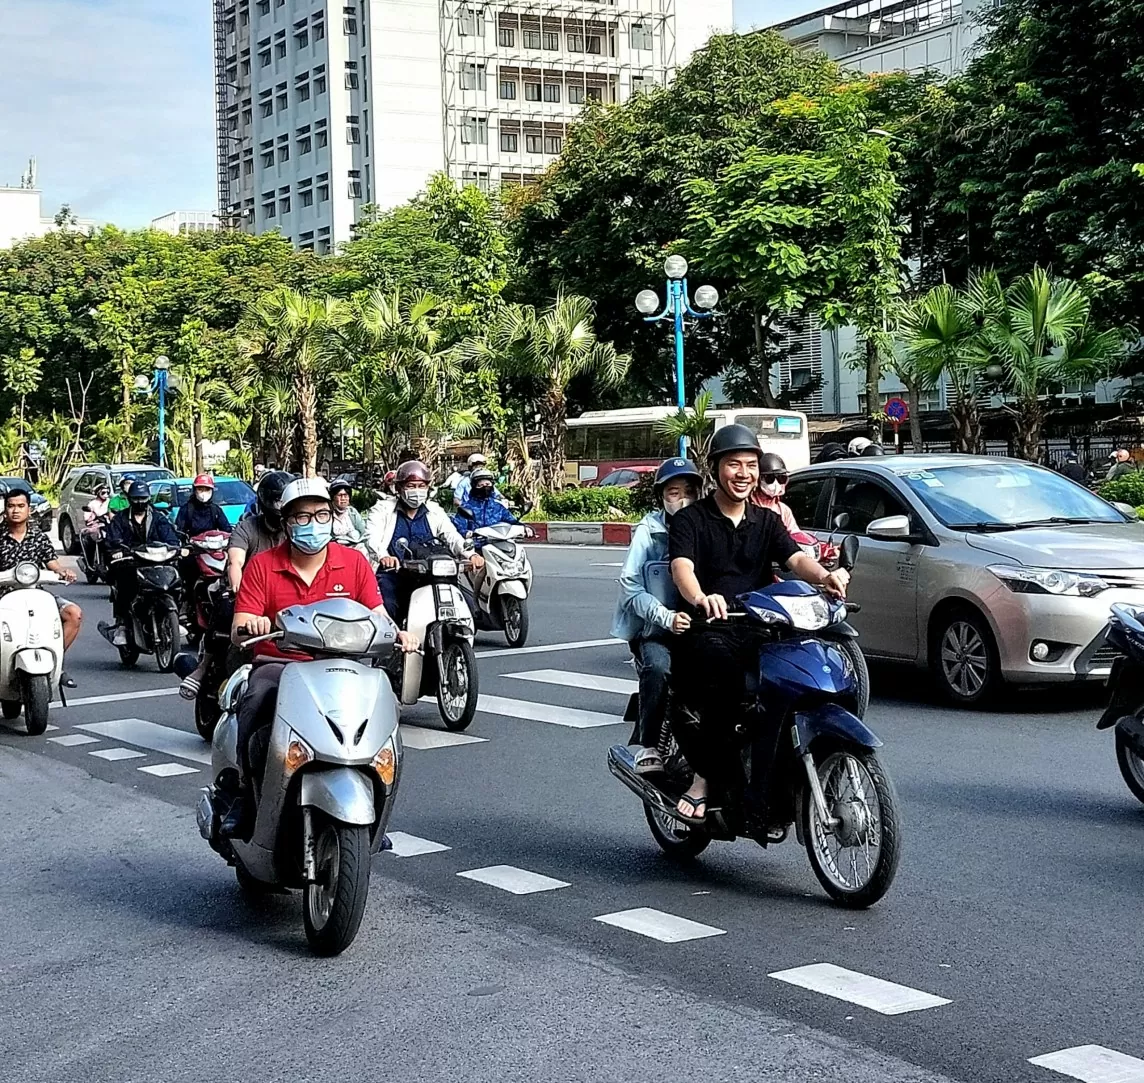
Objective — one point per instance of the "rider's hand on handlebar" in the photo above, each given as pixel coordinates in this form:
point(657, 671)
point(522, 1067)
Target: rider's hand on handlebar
point(256, 626)
point(836, 583)
point(388, 563)
point(407, 643)
point(67, 575)
point(713, 606)
point(476, 562)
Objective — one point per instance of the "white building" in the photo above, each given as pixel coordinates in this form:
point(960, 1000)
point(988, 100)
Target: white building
point(186, 222)
point(323, 108)
point(21, 211)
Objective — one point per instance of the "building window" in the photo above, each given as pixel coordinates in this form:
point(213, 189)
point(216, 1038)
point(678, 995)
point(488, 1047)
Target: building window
point(509, 142)
point(284, 205)
point(245, 65)
point(552, 92)
point(353, 133)
point(323, 193)
point(248, 167)
point(280, 50)
point(323, 138)
point(640, 84)
point(575, 94)
point(302, 93)
point(320, 84)
point(307, 197)
point(263, 7)
point(532, 39)
point(575, 43)
point(283, 101)
point(508, 89)
point(264, 58)
point(269, 209)
point(532, 92)
point(284, 153)
point(551, 41)
point(473, 77)
point(247, 116)
point(233, 172)
point(553, 144)
point(641, 36)
point(349, 25)
point(480, 178)
point(506, 37)
point(533, 144)
point(593, 44)
point(267, 159)
point(305, 144)
point(475, 130)
point(351, 75)
point(595, 93)
point(302, 39)
point(319, 31)
point(471, 23)
point(353, 188)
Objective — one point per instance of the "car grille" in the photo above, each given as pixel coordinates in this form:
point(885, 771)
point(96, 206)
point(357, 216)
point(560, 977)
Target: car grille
point(1123, 578)
point(1103, 657)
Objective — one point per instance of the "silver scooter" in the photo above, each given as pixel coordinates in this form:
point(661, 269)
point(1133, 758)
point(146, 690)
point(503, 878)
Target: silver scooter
point(501, 604)
point(333, 763)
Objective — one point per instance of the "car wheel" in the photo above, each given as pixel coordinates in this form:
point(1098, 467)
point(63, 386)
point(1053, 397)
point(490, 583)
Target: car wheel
point(68, 538)
point(964, 658)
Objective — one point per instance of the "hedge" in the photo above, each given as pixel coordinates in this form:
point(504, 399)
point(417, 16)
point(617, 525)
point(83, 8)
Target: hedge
point(1126, 490)
point(591, 504)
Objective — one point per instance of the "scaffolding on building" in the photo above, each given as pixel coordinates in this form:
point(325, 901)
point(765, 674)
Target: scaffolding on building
point(481, 47)
point(222, 105)
point(871, 22)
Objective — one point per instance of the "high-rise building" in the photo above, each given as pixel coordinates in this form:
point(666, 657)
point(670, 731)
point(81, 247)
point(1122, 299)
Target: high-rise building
point(323, 108)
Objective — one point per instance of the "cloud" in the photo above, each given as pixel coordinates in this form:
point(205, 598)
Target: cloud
point(115, 99)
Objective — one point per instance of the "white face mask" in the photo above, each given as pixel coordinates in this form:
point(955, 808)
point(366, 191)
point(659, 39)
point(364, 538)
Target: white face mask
point(415, 497)
point(203, 494)
point(774, 489)
point(672, 506)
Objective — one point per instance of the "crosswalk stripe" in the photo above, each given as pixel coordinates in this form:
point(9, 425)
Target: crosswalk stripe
point(152, 736)
point(514, 880)
point(420, 738)
point(69, 740)
point(118, 697)
point(571, 679)
point(544, 712)
point(114, 754)
point(878, 995)
point(166, 770)
point(1093, 1064)
point(666, 928)
point(550, 647)
point(404, 845)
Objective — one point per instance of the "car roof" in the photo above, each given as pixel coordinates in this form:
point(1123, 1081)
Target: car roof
point(896, 464)
point(190, 481)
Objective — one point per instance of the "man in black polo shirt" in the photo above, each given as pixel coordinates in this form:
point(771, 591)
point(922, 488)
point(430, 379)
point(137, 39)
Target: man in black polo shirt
point(722, 547)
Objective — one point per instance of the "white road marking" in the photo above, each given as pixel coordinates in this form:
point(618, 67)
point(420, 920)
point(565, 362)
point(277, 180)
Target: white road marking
point(666, 928)
point(420, 738)
point(411, 846)
point(571, 679)
point(115, 754)
point(1093, 1064)
point(147, 693)
point(166, 770)
point(582, 645)
point(150, 735)
point(618, 564)
point(510, 878)
point(881, 996)
point(571, 717)
point(69, 740)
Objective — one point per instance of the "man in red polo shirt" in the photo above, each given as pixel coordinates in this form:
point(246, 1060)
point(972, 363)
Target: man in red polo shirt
point(305, 568)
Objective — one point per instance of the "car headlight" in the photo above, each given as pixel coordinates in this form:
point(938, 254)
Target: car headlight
point(350, 636)
point(27, 574)
point(809, 613)
point(1049, 581)
point(442, 568)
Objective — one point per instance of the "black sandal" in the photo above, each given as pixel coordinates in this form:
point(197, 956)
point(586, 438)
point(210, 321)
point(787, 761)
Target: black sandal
point(696, 804)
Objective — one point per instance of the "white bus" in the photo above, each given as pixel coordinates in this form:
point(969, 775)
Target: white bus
point(600, 443)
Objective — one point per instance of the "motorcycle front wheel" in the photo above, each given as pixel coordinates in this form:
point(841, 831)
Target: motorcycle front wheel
point(1131, 765)
point(514, 615)
point(457, 684)
point(855, 857)
point(332, 906)
point(166, 637)
point(36, 692)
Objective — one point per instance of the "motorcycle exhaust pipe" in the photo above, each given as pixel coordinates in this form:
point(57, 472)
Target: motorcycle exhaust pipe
point(621, 764)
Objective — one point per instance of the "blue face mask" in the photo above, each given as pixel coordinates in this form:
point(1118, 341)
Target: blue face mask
point(313, 537)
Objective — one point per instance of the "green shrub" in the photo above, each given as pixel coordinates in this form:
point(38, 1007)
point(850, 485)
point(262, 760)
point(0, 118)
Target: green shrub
point(643, 495)
point(1127, 490)
point(589, 504)
point(238, 464)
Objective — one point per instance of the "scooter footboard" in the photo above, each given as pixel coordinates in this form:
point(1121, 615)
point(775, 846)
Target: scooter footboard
point(830, 720)
point(342, 793)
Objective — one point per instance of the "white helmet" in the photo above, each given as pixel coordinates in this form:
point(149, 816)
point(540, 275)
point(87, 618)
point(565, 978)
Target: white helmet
point(857, 446)
point(303, 487)
point(477, 459)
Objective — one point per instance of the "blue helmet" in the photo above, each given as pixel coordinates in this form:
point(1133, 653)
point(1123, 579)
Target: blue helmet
point(670, 469)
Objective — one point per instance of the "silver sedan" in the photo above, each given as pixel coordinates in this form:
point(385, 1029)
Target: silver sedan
point(984, 569)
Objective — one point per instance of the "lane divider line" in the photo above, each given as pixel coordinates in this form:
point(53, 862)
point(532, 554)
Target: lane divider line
point(115, 754)
point(1092, 1064)
point(70, 740)
point(571, 679)
point(666, 928)
point(550, 647)
point(885, 997)
point(166, 770)
point(513, 880)
point(411, 846)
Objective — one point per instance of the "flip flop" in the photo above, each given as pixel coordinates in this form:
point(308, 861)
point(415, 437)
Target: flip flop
point(696, 804)
point(189, 689)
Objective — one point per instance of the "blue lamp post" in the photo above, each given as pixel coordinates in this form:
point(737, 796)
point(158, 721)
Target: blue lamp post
point(162, 364)
point(678, 306)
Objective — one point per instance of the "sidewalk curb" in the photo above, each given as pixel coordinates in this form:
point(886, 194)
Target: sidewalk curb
point(618, 534)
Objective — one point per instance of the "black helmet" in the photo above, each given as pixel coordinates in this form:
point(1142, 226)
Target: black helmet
point(733, 438)
point(670, 469)
point(340, 486)
point(830, 453)
point(770, 463)
point(873, 451)
point(270, 490)
point(138, 493)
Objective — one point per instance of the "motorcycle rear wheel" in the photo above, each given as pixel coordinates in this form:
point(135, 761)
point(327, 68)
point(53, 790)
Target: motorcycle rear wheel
point(1131, 765)
point(514, 616)
point(166, 637)
point(36, 692)
point(680, 842)
point(458, 685)
point(333, 906)
point(868, 810)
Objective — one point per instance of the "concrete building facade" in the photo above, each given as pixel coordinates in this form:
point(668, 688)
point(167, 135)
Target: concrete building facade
point(22, 214)
point(324, 108)
point(186, 222)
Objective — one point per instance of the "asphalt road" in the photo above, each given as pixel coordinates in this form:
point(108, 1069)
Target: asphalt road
point(1015, 908)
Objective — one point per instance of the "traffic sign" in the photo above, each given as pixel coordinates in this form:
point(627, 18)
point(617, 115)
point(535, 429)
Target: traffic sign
point(898, 411)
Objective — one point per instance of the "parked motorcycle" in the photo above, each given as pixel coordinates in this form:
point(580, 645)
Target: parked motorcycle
point(211, 608)
point(1125, 709)
point(93, 560)
point(32, 646)
point(153, 626)
point(501, 603)
point(440, 619)
point(333, 763)
point(808, 760)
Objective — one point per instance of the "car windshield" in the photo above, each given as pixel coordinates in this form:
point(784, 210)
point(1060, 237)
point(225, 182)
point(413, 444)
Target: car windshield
point(1004, 496)
point(145, 476)
point(226, 492)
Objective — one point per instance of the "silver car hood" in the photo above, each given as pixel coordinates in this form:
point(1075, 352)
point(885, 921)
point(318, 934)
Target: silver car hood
point(1077, 548)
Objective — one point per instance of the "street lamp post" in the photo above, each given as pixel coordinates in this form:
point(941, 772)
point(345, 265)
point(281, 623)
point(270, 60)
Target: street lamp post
point(162, 365)
point(678, 306)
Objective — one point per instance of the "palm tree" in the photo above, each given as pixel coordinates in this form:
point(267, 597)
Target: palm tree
point(696, 426)
point(1039, 333)
point(294, 336)
point(550, 349)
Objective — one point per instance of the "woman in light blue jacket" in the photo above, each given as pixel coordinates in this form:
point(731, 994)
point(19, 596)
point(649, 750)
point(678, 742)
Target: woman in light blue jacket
point(645, 614)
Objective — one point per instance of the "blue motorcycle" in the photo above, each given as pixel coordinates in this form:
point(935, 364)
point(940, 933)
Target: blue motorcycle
point(807, 758)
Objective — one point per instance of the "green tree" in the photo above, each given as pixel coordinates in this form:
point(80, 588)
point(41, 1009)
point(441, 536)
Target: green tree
point(22, 373)
point(696, 426)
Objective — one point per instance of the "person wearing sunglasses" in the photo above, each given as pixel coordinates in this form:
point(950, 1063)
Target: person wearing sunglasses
point(773, 479)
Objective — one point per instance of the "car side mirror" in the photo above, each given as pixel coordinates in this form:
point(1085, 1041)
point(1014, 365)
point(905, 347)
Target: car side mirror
point(891, 528)
point(842, 520)
point(526, 508)
point(1127, 510)
point(848, 554)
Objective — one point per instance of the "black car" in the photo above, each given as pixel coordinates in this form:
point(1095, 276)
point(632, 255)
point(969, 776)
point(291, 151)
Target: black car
point(41, 509)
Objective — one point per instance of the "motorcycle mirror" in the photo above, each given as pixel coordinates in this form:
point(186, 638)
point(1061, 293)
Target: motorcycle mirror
point(465, 513)
point(525, 508)
point(848, 557)
point(403, 545)
point(842, 520)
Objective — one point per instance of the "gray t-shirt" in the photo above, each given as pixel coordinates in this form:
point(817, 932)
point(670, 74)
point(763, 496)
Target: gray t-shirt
point(250, 535)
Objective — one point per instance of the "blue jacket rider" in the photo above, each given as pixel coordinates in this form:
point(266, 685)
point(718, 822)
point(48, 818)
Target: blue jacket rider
point(482, 504)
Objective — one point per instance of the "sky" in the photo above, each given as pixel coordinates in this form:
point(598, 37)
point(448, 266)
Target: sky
point(115, 100)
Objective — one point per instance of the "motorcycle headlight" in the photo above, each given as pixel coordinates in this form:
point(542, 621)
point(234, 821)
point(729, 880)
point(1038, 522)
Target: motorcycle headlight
point(349, 636)
point(1022, 580)
point(809, 613)
point(442, 568)
point(27, 574)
